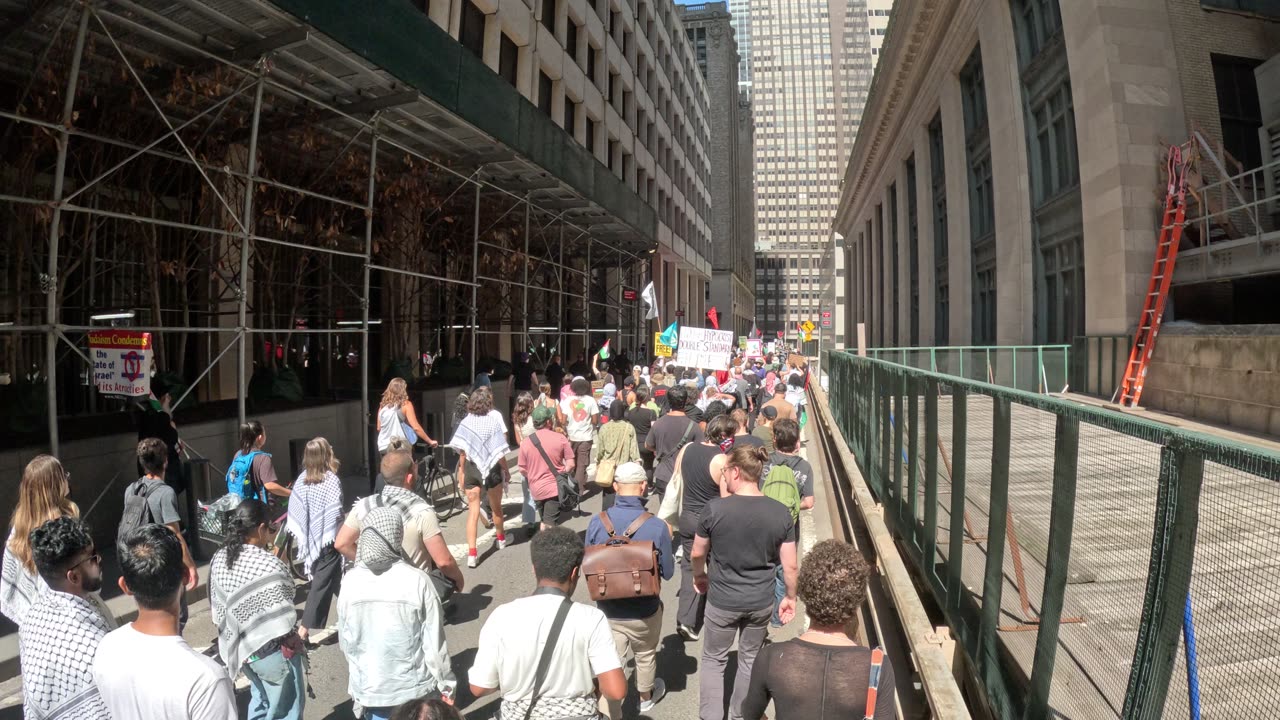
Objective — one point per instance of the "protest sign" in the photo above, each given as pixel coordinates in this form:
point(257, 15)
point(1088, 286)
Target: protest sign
point(705, 349)
point(754, 349)
point(121, 362)
point(661, 349)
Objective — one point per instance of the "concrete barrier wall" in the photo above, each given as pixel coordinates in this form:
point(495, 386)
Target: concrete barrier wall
point(1228, 375)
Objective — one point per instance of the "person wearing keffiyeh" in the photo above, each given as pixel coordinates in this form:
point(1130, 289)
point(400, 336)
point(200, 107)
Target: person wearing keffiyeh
point(390, 623)
point(62, 628)
point(314, 512)
point(481, 442)
point(251, 600)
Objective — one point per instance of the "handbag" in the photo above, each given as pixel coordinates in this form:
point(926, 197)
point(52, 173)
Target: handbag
point(604, 472)
point(443, 585)
point(566, 486)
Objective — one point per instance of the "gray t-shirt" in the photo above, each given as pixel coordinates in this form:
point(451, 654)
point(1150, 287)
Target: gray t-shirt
point(162, 501)
point(665, 436)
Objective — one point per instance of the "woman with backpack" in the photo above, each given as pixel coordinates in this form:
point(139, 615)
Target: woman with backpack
point(615, 444)
point(251, 474)
point(251, 601)
point(824, 674)
point(315, 510)
point(397, 419)
point(481, 443)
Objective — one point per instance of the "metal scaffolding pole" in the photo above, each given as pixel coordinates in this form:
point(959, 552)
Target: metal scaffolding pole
point(524, 316)
point(586, 302)
point(622, 288)
point(242, 368)
point(364, 304)
point(560, 332)
point(475, 271)
point(51, 286)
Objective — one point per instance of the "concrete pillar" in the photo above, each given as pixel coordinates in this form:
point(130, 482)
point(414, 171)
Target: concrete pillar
point(1128, 105)
point(959, 246)
point(903, 336)
point(924, 232)
point(1015, 300)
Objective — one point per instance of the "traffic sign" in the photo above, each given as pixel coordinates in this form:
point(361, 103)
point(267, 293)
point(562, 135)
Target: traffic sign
point(628, 295)
point(826, 318)
point(679, 313)
point(807, 326)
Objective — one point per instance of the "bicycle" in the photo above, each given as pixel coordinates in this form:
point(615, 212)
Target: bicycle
point(285, 548)
point(438, 485)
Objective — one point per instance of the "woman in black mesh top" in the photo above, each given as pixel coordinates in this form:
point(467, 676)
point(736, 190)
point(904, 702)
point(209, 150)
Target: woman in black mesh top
point(823, 674)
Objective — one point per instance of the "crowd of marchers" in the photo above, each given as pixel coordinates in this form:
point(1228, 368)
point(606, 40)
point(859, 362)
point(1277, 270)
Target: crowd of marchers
point(696, 468)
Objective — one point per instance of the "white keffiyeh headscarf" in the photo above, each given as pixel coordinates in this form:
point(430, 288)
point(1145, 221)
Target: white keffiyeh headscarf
point(19, 589)
point(381, 535)
point(314, 512)
point(483, 438)
point(57, 643)
point(251, 603)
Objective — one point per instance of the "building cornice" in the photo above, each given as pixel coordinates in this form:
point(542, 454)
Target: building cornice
point(913, 28)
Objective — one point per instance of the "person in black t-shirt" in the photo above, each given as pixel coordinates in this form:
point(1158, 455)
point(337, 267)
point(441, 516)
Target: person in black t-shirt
point(747, 535)
point(642, 419)
point(555, 375)
point(153, 423)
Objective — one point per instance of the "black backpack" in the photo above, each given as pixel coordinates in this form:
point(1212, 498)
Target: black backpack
point(137, 511)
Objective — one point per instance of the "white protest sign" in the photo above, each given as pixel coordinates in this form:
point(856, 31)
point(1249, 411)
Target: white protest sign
point(754, 349)
point(121, 362)
point(706, 349)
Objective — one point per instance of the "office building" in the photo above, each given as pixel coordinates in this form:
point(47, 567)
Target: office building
point(732, 217)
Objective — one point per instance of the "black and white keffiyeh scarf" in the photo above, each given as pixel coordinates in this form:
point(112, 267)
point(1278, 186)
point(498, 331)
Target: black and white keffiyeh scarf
point(19, 588)
point(57, 644)
point(381, 535)
point(314, 512)
point(483, 438)
point(251, 603)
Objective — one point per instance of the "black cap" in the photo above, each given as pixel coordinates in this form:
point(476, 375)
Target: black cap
point(769, 412)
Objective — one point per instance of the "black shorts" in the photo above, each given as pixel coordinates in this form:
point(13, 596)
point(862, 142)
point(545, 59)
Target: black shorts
point(471, 477)
point(549, 511)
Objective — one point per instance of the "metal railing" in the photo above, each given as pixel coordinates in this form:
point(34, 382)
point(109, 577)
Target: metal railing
point(1034, 368)
point(1112, 529)
point(1097, 364)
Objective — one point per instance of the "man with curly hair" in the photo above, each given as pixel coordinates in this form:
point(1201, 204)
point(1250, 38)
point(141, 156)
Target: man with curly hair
point(824, 674)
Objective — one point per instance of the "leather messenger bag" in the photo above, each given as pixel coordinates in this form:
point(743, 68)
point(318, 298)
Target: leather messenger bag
point(622, 568)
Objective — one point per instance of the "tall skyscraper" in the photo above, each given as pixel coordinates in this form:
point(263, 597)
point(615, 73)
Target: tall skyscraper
point(877, 24)
point(810, 73)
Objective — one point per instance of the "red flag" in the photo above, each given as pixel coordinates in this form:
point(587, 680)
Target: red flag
point(714, 317)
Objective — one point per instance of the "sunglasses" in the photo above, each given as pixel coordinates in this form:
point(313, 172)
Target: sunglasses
point(95, 558)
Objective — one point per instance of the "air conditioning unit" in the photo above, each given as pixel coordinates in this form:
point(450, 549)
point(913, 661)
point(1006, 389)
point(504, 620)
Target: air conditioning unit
point(1269, 138)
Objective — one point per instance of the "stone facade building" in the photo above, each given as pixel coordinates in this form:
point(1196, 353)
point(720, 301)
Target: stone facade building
point(1008, 179)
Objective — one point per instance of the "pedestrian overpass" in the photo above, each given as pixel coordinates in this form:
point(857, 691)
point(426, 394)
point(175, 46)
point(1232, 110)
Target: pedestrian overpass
point(1049, 555)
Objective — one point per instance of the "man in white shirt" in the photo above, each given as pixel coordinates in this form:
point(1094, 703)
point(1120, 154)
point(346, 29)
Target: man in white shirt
point(145, 670)
point(512, 641)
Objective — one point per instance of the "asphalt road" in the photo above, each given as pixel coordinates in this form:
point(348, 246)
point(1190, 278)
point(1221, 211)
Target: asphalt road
point(503, 575)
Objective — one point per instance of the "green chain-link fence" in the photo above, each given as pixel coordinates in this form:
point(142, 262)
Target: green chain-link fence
point(1061, 539)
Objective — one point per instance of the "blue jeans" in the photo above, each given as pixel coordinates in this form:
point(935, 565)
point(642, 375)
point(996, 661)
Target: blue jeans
point(277, 687)
point(779, 592)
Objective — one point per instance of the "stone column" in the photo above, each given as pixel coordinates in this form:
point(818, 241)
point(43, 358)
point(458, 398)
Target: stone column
point(959, 244)
point(1015, 297)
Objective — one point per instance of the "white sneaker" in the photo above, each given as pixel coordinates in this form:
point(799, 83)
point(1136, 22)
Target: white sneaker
point(659, 691)
point(471, 561)
point(502, 543)
point(687, 632)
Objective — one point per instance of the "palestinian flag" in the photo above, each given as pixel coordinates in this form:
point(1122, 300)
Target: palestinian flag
point(604, 350)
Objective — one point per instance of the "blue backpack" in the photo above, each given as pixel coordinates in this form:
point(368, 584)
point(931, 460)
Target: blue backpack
point(240, 480)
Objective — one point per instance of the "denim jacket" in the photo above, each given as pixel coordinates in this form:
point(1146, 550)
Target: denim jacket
point(391, 628)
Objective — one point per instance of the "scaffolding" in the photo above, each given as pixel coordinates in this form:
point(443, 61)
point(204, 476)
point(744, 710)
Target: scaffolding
point(231, 179)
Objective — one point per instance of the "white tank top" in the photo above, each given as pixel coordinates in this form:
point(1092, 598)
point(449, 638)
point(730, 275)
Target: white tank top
point(389, 419)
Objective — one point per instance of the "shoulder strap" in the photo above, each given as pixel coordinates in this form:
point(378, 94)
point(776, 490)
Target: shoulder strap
point(688, 429)
point(636, 524)
point(606, 522)
point(873, 683)
point(544, 662)
point(545, 458)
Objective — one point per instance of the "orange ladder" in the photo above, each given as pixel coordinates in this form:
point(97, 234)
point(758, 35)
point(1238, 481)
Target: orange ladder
point(1144, 341)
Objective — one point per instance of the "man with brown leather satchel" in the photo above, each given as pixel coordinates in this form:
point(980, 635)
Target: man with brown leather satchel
point(628, 554)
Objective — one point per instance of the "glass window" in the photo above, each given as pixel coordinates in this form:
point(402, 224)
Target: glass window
point(508, 59)
point(545, 86)
point(471, 28)
point(549, 15)
point(1238, 108)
